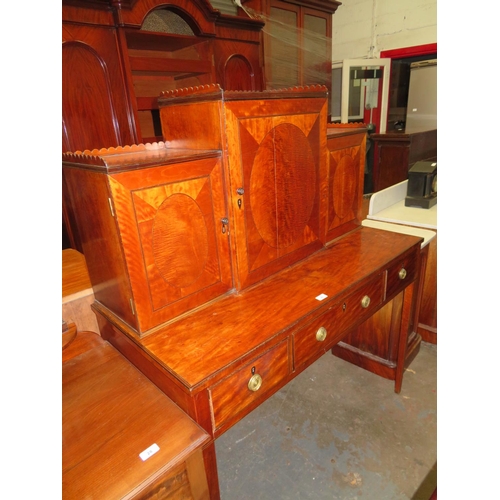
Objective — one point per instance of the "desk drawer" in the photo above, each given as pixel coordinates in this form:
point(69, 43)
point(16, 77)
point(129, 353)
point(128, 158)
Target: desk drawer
point(322, 333)
point(402, 272)
point(234, 394)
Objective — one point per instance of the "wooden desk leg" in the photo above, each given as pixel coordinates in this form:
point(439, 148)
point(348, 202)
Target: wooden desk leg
point(406, 324)
point(211, 469)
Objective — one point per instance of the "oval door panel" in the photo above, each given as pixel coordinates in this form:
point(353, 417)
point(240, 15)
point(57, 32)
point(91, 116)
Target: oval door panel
point(282, 185)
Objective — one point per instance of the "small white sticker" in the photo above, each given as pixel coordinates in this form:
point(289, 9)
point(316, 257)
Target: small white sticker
point(149, 452)
point(322, 296)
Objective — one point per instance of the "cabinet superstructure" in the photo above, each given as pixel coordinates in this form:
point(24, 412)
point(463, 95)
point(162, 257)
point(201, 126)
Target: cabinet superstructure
point(117, 57)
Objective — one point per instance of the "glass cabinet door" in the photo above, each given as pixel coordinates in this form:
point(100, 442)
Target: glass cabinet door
point(298, 46)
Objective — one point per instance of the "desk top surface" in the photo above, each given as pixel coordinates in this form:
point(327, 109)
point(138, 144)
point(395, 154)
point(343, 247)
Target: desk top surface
point(249, 319)
point(111, 414)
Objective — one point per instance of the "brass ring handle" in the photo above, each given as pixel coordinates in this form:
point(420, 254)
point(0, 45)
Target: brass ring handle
point(255, 382)
point(321, 334)
point(365, 301)
point(402, 273)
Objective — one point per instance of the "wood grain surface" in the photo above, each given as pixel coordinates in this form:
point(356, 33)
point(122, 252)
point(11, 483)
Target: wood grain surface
point(209, 340)
point(111, 414)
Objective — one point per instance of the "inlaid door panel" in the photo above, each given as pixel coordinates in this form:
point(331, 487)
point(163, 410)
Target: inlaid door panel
point(175, 244)
point(345, 185)
point(276, 173)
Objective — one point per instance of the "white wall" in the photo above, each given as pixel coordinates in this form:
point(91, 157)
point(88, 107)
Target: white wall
point(363, 28)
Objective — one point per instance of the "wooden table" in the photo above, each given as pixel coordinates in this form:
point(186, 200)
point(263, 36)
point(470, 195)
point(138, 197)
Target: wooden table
point(77, 292)
point(112, 414)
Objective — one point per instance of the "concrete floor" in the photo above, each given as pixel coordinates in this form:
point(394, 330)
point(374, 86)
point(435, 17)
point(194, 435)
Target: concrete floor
point(337, 432)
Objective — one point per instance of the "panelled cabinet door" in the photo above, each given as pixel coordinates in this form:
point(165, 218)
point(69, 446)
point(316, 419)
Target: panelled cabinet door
point(277, 168)
point(345, 183)
point(174, 238)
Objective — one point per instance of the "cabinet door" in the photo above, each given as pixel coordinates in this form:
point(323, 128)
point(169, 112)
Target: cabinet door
point(174, 242)
point(238, 65)
point(277, 161)
point(345, 183)
point(297, 46)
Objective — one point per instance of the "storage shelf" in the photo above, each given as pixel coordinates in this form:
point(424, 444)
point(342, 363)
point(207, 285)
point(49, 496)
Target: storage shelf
point(147, 40)
point(168, 67)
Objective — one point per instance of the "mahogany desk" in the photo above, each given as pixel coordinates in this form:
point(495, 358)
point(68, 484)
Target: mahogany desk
point(221, 361)
point(230, 257)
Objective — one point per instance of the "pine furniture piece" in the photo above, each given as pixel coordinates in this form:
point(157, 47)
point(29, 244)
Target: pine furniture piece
point(121, 436)
point(223, 261)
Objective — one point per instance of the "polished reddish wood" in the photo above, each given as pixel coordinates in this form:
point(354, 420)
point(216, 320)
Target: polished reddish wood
point(80, 343)
point(88, 198)
point(77, 292)
point(75, 276)
point(238, 65)
point(345, 313)
point(68, 333)
point(380, 341)
point(95, 107)
point(274, 151)
point(427, 318)
point(112, 74)
point(347, 149)
point(272, 366)
point(256, 320)
point(267, 159)
point(169, 206)
point(396, 152)
point(111, 414)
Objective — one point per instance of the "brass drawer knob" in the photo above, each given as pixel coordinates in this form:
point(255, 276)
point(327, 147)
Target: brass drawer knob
point(255, 382)
point(321, 334)
point(402, 273)
point(365, 301)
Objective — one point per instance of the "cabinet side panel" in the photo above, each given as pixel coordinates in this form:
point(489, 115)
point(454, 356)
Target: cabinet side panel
point(88, 199)
point(194, 125)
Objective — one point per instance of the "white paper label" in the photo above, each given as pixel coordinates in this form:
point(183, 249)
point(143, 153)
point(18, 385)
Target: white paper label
point(321, 297)
point(149, 451)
